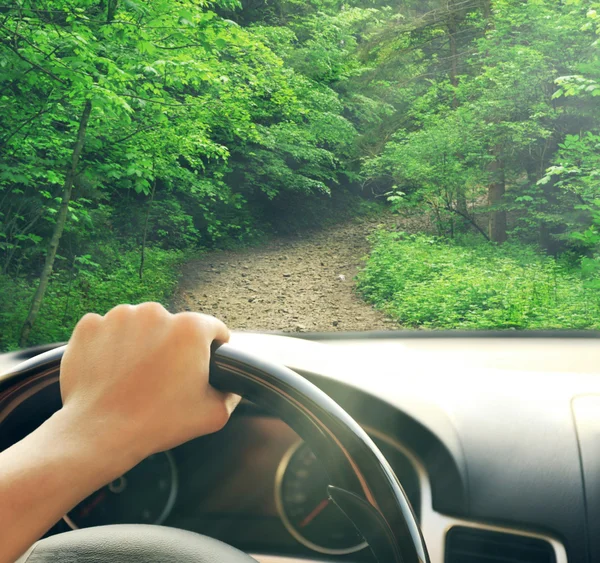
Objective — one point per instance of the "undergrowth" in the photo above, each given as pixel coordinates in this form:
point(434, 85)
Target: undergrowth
point(425, 282)
point(88, 288)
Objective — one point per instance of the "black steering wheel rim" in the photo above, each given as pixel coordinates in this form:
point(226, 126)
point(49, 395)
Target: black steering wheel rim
point(363, 484)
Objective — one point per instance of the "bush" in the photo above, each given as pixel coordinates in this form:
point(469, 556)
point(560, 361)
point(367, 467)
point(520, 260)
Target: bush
point(89, 288)
point(425, 282)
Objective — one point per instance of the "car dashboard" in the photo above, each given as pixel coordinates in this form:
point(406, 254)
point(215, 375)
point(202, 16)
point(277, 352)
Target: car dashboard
point(251, 485)
point(494, 440)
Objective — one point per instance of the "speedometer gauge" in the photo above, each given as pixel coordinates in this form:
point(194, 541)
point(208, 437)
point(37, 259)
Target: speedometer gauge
point(305, 508)
point(143, 495)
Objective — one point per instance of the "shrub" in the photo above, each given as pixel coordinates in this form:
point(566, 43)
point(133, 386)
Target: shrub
point(425, 282)
point(88, 288)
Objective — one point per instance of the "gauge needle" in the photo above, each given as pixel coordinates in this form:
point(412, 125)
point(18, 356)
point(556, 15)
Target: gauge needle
point(314, 513)
point(92, 504)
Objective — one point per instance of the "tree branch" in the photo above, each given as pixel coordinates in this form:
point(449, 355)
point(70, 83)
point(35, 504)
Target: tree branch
point(469, 219)
point(43, 110)
point(35, 65)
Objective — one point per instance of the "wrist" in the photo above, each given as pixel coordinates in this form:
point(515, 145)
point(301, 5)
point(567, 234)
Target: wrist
point(94, 444)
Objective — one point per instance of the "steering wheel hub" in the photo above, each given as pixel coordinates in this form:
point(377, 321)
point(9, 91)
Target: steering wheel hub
point(133, 543)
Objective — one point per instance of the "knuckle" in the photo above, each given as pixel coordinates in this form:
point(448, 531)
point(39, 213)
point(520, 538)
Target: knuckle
point(151, 307)
point(151, 310)
point(120, 312)
point(190, 325)
point(89, 323)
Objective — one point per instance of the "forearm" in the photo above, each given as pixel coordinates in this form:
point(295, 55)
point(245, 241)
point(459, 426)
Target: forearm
point(45, 475)
point(117, 373)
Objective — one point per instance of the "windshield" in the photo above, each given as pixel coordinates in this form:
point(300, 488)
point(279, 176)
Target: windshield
point(300, 165)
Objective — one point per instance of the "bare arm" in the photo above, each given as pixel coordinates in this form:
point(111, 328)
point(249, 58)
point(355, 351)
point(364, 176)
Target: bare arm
point(133, 382)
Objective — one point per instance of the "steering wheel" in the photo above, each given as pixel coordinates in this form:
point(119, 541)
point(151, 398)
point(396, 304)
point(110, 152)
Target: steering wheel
point(362, 483)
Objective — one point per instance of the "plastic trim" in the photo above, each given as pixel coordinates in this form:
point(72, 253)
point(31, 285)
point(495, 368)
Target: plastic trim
point(435, 525)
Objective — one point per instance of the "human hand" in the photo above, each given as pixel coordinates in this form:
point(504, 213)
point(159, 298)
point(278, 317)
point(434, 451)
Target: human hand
point(135, 381)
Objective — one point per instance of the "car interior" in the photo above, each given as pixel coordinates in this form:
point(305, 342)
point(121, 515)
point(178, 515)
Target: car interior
point(493, 438)
point(394, 208)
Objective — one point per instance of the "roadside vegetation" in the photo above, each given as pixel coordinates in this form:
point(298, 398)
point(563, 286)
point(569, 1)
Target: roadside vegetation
point(133, 133)
point(425, 282)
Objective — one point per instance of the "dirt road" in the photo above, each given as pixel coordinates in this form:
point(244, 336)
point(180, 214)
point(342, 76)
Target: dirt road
point(290, 284)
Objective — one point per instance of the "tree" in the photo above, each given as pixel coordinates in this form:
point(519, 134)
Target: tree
point(135, 130)
point(86, 58)
point(104, 101)
point(59, 226)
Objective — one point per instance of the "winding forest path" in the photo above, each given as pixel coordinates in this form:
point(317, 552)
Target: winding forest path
point(300, 284)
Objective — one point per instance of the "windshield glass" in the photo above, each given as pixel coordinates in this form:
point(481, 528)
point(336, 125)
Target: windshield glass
point(300, 165)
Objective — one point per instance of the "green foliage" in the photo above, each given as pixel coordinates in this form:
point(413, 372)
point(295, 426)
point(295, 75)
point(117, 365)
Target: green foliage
point(576, 175)
point(489, 117)
point(86, 287)
point(430, 283)
point(435, 167)
point(199, 129)
point(212, 125)
point(182, 99)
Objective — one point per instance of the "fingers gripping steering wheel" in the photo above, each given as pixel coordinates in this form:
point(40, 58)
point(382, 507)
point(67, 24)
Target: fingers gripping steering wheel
point(362, 484)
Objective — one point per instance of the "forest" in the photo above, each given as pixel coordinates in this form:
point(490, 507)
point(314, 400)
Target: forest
point(135, 133)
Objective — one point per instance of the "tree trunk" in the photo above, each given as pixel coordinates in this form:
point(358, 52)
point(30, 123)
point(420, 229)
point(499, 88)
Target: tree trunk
point(111, 10)
point(548, 231)
point(496, 190)
point(486, 9)
point(461, 201)
point(61, 219)
point(143, 251)
point(453, 65)
point(497, 185)
point(452, 28)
